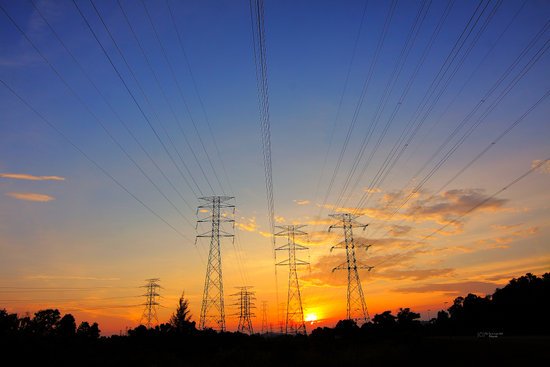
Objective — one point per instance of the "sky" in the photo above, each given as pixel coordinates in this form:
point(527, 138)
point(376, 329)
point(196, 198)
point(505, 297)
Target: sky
point(426, 119)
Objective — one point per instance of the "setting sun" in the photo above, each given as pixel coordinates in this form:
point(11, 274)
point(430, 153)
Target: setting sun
point(311, 318)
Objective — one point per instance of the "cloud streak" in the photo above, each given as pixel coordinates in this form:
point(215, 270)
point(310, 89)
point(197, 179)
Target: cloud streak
point(24, 176)
point(458, 288)
point(544, 168)
point(30, 196)
point(68, 277)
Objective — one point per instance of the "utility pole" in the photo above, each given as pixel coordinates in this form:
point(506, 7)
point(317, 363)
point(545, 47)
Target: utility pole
point(356, 306)
point(294, 311)
point(150, 311)
point(245, 303)
point(212, 308)
point(264, 318)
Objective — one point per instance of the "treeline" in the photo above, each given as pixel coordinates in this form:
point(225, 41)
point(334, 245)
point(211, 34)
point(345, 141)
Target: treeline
point(520, 308)
point(46, 323)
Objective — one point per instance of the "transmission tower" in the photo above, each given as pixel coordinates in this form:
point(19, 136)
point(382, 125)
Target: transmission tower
point(245, 303)
point(150, 311)
point(356, 306)
point(265, 328)
point(212, 309)
point(294, 311)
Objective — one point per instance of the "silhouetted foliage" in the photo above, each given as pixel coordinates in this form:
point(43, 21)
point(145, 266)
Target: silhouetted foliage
point(45, 322)
point(519, 308)
point(85, 330)
point(406, 318)
point(9, 324)
point(67, 326)
point(384, 320)
point(181, 320)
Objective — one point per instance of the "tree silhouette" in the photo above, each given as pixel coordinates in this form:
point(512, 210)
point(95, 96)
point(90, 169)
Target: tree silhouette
point(181, 319)
point(384, 320)
point(406, 318)
point(67, 326)
point(86, 331)
point(45, 322)
point(9, 324)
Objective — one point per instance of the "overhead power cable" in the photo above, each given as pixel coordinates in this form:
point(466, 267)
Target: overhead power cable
point(91, 160)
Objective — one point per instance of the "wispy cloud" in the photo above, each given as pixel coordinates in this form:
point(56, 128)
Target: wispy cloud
point(458, 288)
point(302, 202)
point(248, 225)
point(421, 207)
point(31, 196)
point(24, 176)
point(68, 277)
point(505, 240)
point(544, 168)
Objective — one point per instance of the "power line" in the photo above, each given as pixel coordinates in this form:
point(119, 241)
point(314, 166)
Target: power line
point(341, 99)
point(512, 183)
point(91, 160)
point(201, 102)
point(146, 118)
point(96, 118)
point(360, 101)
point(163, 92)
point(180, 91)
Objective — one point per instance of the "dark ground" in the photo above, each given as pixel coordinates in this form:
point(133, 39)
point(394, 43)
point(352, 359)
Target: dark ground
point(240, 350)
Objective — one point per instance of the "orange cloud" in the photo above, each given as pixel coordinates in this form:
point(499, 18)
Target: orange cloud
point(421, 207)
point(23, 176)
point(503, 241)
point(30, 196)
point(248, 225)
point(302, 202)
point(544, 168)
point(457, 288)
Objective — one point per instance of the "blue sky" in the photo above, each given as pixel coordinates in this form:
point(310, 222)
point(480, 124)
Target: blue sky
point(84, 225)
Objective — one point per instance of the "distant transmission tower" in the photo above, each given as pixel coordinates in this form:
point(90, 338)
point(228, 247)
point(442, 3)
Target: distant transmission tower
point(265, 327)
point(150, 311)
point(245, 303)
point(356, 306)
point(212, 309)
point(294, 311)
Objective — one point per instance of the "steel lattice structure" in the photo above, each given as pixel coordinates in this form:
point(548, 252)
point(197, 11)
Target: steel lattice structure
point(356, 306)
point(150, 311)
point(245, 303)
point(212, 308)
point(294, 311)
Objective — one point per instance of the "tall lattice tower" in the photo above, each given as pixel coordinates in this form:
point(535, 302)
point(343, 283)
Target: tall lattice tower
point(294, 311)
point(356, 306)
point(150, 311)
point(212, 309)
point(265, 326)
point(245, 304)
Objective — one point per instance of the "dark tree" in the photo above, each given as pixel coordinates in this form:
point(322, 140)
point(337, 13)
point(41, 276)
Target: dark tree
point(140, 331)
point(406, 318)
point(384, 320)
point(67, 326)
point(86, 331)
point(25, 325)
point(45, 322)
point(181, 319)
point(94, 331)
point(9, 324)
